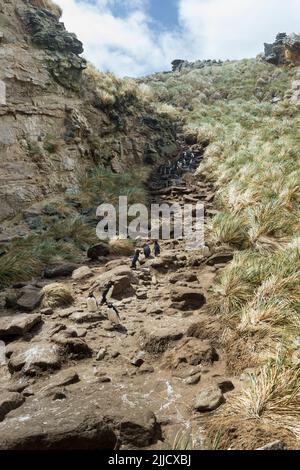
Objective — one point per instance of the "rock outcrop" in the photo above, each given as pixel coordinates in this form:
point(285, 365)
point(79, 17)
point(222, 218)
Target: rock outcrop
point(74, 424)
point(179, 65)
point(285, 50)
point(18, 325)
point(51, 127)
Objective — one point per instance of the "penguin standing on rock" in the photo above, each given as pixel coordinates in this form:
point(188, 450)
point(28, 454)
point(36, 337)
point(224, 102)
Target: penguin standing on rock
point(135, 259)
point(92, 303)
point(147, 251)
point(106, 289)
point(156, 248)
point(113, 314)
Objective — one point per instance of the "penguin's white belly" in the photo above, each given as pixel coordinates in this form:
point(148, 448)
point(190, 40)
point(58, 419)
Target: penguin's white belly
point(113, 317)
point(92, 305)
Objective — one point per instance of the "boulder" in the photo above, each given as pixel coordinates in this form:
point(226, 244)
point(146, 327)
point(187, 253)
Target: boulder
point(116, 263)
point(209, 399)
point(91, 419)
point(123, 287)
point(190, 352)
point(46, 311)
point(19, 324)
point(220, 258)
point(157, 340)
point(62, 379)
point(164, 263)
point(101, 354)
point(183, 277)
point(188, 298)
point(275, 53)
point(9, 401)
point(86, 317)
point(154, 310)
point(138, 359)
point(193, 379)
point(59, 270)
point(82, 273)
point(30, 299)
point(124, 280)
point(97, 251)
point(34, 358)
point(225, 385)
point(292, 49)
point(275, 445)
point(139, 429)
point(145, 369)
point(74, 347)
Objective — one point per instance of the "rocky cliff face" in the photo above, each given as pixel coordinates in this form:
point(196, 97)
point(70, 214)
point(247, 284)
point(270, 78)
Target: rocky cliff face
point(285, 50)
point(51, 129)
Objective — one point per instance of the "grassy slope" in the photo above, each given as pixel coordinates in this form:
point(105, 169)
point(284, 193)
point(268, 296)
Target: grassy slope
point(253, 159)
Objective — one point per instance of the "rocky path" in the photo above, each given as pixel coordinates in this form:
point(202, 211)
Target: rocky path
point(73, 379)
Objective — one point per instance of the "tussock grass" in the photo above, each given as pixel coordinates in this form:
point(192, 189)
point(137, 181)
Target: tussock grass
point(270, 396)
point(57, 295)
point(168, 110)
point(102, 185)
point(26, 257)
point(229, 229)
point(191, 439)
point(109, 92)
point(73, 228)
point(253, 160)
point(17, 267)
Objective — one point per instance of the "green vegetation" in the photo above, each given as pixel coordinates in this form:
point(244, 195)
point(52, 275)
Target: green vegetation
point(253, 160)
point(68, 234)
point(267, 406)
point(102, 185)
point(110, 92)
point(51, 143)
point(26, 257)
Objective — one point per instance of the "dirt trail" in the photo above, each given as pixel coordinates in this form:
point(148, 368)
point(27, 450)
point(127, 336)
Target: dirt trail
point(167, 350)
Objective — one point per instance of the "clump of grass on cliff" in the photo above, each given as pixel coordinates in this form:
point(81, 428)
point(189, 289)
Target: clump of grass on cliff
point(102, 185)
point(253, 160)
point(75, 230)
point(108, 91)
point(26, 257)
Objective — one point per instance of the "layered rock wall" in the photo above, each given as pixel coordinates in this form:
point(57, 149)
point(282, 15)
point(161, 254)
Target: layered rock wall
point(50, 129)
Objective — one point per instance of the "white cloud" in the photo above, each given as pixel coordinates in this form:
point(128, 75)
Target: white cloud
point(235, 29)
point(131, 44)
point(127, 46)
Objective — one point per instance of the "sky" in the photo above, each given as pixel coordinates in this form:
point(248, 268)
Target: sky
point(139, 37)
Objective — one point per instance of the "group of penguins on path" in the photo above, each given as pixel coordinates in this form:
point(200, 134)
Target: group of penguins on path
point(147, 253)
point(187, 161)
point(113, 315)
